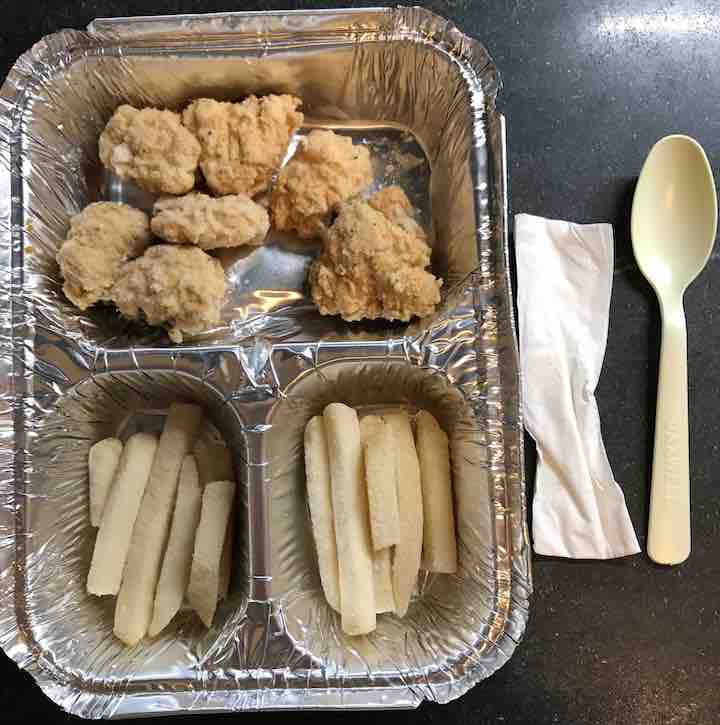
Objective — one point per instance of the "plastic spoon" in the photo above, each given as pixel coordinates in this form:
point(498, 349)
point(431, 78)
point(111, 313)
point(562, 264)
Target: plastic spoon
point(674, 220)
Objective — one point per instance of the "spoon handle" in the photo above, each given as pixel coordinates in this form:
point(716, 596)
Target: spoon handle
point(669, 525)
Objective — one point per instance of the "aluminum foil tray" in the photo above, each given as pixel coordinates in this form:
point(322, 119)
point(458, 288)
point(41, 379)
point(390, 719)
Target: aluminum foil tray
point(422, 96)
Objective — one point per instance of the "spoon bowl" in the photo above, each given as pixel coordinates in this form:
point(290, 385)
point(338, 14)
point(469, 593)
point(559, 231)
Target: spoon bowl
point(674, 213)
point(673, 226)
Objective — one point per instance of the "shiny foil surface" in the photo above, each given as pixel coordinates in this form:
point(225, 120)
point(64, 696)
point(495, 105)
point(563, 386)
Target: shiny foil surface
point(421, 95)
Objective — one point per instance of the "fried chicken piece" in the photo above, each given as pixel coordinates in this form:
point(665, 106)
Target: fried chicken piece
point(394, 204)
point(178, 286)
point(326, 170)
point(373, 267)
point(209, 223)
point(102, 237)
point(152, 148)
point(243, 143)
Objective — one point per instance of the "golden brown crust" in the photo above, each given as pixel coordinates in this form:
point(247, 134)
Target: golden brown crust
point(152, 148)
point(244, 143)
point(102, 237)
point(209, 223)
point(178, 286)
point(394, 204)
point(373, 267)
point(326, 170)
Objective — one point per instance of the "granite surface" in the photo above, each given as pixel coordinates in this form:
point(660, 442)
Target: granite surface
point(589, 86)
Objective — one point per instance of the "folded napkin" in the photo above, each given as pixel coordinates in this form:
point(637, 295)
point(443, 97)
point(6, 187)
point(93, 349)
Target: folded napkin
point(564, 282)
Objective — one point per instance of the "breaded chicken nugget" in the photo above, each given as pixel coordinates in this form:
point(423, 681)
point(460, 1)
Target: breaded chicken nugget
point(244, 143)
point(102, 237)
point(394, 204)
point(209, 223)
point(373, 267)
point(152, 148)
point(178, 286)
point(326, 170)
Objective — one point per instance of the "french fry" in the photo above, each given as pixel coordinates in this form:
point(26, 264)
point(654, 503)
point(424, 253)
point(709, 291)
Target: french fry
point(120, 512)
point(382, 579)
point(317, 472)
point(214, 460)
point(370, 424)
point(204, 587)
point(175, 571)
point(439, 543)
point(379, 455)
point(226, 560)
point(103, 462)
point(352, 525)
point(406, 556)
point(134, 608)
point(378, 446)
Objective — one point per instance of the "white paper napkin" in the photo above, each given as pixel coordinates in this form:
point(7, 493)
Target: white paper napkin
point(565, 275)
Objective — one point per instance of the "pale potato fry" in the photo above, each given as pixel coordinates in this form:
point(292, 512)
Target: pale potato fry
point(214, 459)
point(379, 456)
point(175, 571)
point(406, 557)
point(382, 578)
point(134, 608)
point(226, 560)
point(103, 462)
point(370, 424)
point(378, 444)
point(317, 472)
point(352, 525)
point(204, 587)
point(439, 543)
point(121, 509)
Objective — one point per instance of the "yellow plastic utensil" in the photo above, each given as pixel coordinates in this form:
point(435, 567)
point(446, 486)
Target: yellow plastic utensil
point(674, 221)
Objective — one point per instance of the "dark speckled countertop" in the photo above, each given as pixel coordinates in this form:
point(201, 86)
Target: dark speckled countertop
point(589, 86)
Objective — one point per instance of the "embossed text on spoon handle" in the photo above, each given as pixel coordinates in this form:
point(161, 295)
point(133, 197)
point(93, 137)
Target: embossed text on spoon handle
point(669, 524)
